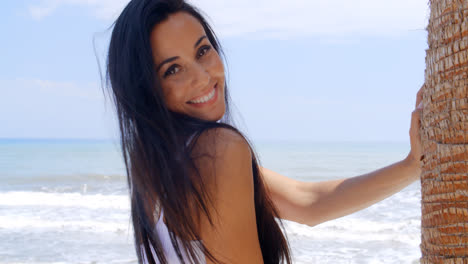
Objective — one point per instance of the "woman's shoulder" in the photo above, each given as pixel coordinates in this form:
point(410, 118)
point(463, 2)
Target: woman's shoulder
point(222, 157)
point(221, 143)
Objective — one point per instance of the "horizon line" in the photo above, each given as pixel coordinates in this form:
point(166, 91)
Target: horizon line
point(253, 139)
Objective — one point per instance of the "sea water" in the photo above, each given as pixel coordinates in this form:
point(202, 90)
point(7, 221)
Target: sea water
point(66, 201)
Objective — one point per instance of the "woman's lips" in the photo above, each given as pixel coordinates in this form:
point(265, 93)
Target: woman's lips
point(201, 102)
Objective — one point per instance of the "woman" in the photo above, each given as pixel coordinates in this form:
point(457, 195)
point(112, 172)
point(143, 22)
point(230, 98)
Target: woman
point(197, 192)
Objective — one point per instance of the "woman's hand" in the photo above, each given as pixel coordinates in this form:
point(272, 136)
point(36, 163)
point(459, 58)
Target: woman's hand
point(416, 155)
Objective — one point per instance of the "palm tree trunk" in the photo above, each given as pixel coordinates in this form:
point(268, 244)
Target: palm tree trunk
point(444, 181)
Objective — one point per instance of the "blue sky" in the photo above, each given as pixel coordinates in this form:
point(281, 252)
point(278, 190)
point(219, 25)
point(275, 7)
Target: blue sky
point(334, 70)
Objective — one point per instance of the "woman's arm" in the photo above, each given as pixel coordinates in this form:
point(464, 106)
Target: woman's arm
point(312, 203)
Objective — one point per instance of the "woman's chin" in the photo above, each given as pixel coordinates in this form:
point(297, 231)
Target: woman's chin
point(214, 116)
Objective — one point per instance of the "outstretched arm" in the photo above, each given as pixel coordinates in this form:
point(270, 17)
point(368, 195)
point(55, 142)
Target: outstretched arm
point(312, 203)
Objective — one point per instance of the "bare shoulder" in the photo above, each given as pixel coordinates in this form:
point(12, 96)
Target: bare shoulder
point(223, 160)
point(220, 151)
point(222, 142)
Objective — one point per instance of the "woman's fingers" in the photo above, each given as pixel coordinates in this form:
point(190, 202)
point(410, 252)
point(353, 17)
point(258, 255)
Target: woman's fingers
point(419, 96)
point(415, 137)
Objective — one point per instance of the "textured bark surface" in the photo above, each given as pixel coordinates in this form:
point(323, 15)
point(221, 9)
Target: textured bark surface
point(444, 181)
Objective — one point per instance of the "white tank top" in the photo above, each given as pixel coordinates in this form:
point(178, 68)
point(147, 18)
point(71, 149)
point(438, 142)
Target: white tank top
point(169, 250)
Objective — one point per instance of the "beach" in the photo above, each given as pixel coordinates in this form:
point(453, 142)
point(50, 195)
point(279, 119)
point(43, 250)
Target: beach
point(66, 201)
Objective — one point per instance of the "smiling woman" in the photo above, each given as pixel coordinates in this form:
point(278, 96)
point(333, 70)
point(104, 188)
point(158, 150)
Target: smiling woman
point(196, 191)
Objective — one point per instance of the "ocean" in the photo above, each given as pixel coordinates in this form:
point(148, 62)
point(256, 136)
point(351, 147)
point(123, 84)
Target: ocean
point(66, 201)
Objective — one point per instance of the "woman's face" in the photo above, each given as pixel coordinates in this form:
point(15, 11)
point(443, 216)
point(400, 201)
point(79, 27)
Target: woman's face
point(190, 70)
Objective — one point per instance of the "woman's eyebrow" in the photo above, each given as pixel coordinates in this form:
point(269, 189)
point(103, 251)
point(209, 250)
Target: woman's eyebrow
point(166, 61)
point(176, 57)
point(198, 41)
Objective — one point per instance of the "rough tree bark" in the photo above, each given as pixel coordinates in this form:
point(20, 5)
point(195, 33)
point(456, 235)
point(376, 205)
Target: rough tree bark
point(444, 181)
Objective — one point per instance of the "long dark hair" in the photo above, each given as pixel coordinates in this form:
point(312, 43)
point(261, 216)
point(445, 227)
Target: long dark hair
point(159, 164)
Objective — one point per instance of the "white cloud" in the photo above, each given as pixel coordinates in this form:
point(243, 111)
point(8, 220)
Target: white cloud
point(102, 9)
point(316, 17)
point(284, 18)
point(39, 12)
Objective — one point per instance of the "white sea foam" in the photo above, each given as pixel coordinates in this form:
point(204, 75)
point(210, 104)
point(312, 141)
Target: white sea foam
point(18, 222)
point(91, 201)
point(120, 261)
point(63, 212)
point(33, 262)
point(388, 232)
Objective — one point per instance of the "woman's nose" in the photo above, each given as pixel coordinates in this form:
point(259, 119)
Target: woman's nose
point(201, 76)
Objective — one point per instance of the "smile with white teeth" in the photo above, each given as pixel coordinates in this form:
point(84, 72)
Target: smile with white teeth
point(204, 99)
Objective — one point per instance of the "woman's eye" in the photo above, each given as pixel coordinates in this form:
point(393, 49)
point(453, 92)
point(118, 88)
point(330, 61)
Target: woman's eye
point(175, 68)
point(172, 70)
point(203, 50)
